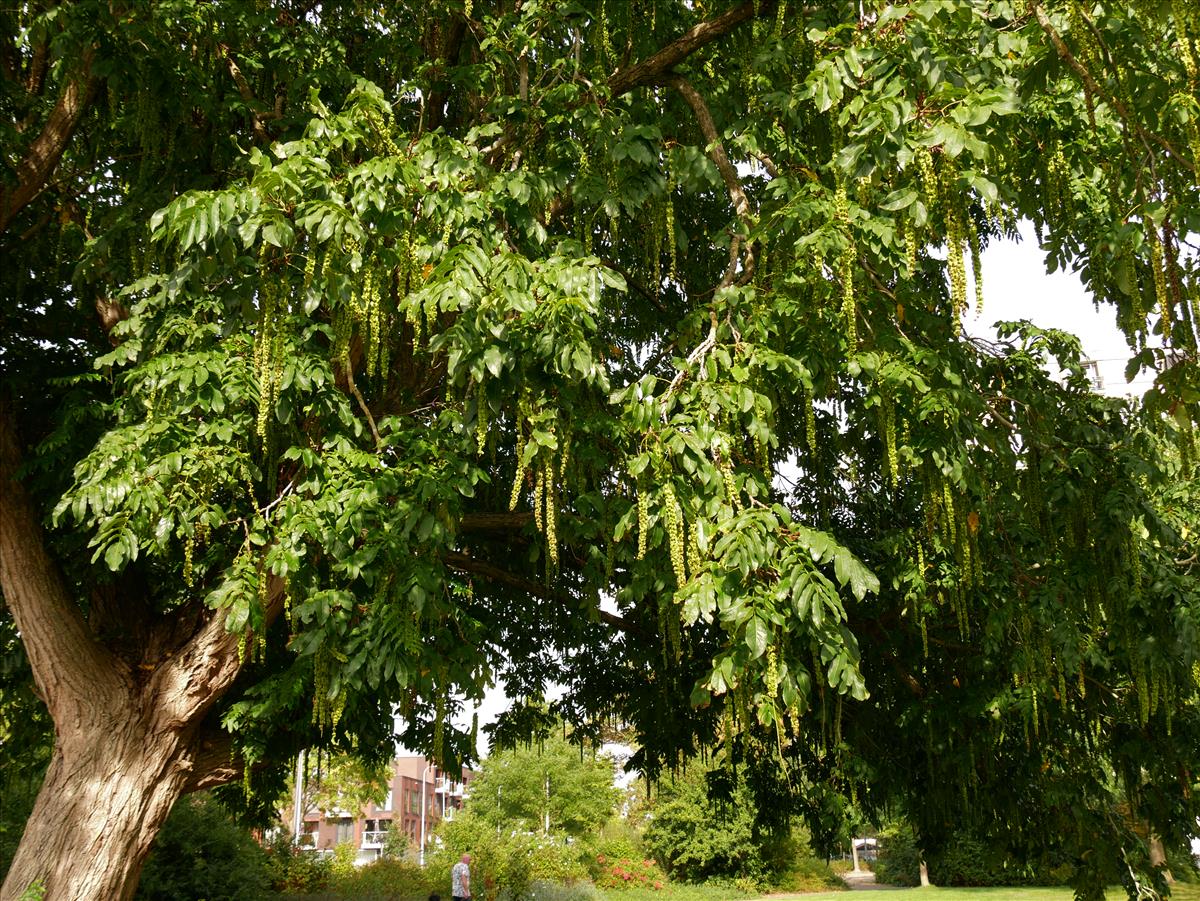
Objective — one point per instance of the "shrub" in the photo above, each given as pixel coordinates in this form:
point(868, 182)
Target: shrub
point(964, 861)
point(294, 871)
point(808, 874)
point(396, 844)
point(696, 839)
point(626, 873)
point(342, 862)
point(617, 848)
point(502, 864)
point(202, 853)
point(391, 879)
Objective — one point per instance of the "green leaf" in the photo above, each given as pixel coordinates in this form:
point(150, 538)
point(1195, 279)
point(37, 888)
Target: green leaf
point(758, 636)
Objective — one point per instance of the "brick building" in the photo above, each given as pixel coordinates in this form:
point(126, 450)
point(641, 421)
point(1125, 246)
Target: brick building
point(415, 781)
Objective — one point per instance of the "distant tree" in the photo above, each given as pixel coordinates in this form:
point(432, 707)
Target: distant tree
point(347, 782)
point(695, 836)
point(552, 784)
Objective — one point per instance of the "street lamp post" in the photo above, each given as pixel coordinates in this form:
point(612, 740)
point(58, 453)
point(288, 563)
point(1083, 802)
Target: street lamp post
point(423, 810)
point(298, 800)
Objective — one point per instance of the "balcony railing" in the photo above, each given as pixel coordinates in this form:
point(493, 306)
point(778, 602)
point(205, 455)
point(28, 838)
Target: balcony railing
point(374, 839)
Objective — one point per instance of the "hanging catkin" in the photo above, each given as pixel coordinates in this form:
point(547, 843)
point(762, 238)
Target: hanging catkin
point(841, 211)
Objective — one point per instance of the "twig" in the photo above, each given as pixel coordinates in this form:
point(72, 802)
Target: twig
point(287, 489)
point(696, 356)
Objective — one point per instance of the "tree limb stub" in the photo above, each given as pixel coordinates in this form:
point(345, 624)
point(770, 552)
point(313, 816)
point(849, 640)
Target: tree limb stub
point(47, 148)
point(214, 762)
point(716, 152)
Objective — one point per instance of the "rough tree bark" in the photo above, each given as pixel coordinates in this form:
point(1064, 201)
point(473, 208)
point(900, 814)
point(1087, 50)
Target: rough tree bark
point(99, 809)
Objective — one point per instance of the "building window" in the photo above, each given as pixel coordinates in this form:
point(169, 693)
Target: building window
point(414, 802)
point(387, 802)
point(344, 830)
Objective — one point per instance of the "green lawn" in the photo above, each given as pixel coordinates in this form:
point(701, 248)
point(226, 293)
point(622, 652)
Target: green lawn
point(1180, 893)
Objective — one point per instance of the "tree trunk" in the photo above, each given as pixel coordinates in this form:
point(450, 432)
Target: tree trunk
point(130, 736)
point(103, 800)
point(854, 854)
point(1158, 857)
point(924, 874)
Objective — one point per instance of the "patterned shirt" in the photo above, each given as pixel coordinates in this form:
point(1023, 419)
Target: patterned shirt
point(460, 878)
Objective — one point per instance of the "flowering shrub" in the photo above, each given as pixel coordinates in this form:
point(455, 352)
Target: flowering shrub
point(626, 872)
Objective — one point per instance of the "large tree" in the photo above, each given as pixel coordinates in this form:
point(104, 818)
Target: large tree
point(354, 352)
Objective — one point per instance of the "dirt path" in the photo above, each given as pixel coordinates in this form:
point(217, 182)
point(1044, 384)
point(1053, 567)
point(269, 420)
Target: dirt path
point(864, 882)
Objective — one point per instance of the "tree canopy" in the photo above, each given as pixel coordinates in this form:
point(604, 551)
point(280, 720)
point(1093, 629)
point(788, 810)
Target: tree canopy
point(361, 356)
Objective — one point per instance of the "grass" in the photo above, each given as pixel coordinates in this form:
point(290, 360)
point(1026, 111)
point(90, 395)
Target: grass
point(1180, 892)
point(676, 891)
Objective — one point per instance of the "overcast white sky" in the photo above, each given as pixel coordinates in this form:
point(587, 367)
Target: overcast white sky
point(1015, 286)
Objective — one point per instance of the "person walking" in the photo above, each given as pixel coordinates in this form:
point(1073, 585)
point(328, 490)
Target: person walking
point(460, 879)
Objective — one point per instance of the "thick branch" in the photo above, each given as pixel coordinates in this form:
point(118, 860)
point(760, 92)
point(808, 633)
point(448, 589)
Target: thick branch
point(439, 95)
point(48, 147)
point(75, 675)
point(189, 684)
point(650, 70)
point(243, 86)
point(468, 564)
point(1081, 70)
point(716, 149)
point(362, 404)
